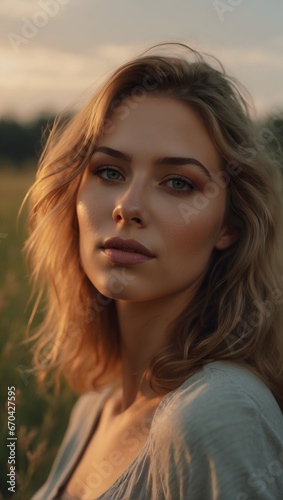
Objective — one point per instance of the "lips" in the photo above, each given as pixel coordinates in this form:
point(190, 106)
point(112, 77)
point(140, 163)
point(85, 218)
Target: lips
point(132, 246)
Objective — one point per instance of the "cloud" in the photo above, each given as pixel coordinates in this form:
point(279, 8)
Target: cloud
point(17, 8)
point(114, 52)
point(251, 57)
point(40, 78)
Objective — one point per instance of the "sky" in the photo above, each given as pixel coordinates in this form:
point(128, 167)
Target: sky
point(54, 53)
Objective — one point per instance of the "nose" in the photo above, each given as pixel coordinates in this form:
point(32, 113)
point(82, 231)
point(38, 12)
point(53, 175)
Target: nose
point(130, 207)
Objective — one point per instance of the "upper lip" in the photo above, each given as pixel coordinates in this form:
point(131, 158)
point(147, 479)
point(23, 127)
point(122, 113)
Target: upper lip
point(120, 243)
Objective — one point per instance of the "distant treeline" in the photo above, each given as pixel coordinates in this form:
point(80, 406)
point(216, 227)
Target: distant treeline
point(21, 143)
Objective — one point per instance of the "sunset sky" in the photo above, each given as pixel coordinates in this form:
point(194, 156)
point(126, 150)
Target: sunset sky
point(55, 52)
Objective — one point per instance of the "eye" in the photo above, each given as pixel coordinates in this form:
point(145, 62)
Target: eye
point(107, 170)
point(181, 181)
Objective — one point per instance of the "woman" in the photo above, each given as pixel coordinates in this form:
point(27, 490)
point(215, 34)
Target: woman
point(155, 224)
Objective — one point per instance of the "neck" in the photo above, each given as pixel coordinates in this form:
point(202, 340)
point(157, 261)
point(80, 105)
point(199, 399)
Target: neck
point(144, 331)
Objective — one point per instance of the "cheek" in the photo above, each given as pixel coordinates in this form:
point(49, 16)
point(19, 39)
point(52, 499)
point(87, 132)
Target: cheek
point(194, 231)
point(90, 220)
point(90, 211)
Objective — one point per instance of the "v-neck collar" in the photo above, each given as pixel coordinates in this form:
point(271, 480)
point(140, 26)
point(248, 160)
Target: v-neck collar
point(81, 440)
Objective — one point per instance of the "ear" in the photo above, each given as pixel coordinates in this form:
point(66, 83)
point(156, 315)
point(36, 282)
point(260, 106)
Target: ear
point(227, 236)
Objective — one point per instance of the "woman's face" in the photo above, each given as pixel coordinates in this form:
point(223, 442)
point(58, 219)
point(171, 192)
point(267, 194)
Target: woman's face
point(131, 191)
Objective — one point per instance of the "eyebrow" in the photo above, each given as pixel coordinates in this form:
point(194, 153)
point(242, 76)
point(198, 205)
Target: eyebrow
point(166, 160)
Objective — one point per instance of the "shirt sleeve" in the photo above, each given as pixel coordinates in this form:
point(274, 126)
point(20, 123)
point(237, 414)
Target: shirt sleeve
point(221, 443)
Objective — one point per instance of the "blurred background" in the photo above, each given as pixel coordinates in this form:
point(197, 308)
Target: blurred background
point(53, 54)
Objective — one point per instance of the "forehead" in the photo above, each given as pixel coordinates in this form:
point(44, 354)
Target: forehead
point(160, 126)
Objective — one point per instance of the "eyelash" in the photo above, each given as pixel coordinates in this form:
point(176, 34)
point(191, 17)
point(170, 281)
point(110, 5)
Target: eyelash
point(177, 176)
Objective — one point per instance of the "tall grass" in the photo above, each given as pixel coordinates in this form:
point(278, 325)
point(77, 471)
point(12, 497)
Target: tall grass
point(41, 416)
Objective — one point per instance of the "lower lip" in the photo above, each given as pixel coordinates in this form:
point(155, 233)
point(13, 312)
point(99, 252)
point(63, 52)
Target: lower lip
point(125, 258)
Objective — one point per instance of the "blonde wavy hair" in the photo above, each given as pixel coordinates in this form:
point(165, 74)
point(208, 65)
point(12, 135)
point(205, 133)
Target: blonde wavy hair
point(236, 314)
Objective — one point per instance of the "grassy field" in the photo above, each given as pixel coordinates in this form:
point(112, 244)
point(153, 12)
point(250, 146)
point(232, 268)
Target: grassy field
point(41, 417)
